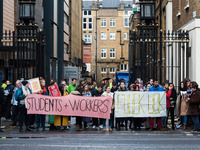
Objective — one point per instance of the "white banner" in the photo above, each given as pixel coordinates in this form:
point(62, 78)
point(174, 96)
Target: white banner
point(140, 104)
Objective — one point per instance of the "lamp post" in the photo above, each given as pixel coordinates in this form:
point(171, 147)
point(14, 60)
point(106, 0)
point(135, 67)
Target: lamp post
point(27, 41)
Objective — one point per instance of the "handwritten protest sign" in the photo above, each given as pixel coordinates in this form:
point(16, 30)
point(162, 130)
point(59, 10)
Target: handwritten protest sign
point(35, 85)
point(54, 90)
point(69, 105)
point(140, 104)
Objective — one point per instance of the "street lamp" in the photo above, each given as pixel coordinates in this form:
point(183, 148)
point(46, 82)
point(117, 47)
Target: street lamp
point(27, 11)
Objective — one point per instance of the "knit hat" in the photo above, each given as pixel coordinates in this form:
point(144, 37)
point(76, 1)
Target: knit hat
point(25, 82)
point(82, 79)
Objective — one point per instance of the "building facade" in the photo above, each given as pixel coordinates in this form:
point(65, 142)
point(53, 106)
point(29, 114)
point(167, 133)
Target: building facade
point(186, 17)
point(106, 32)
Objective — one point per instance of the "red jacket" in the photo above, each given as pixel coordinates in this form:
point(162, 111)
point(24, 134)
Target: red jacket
point(168, 94)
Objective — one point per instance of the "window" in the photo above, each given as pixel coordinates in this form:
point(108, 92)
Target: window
point(66, 48)
point(88, 67)
point(66, 18)
point(103, 70)
point(125, 13)
point(89, 23)
point(112, 70)
point(88, 38)
point(84, 23)
point(112, 36)
point(125, 36)
point(103, 36)
point(87, 13)
point(124, 67)
point(112, 22)
point(112, 53)
point(126, 22)
point(103, 22)
point(103, 53)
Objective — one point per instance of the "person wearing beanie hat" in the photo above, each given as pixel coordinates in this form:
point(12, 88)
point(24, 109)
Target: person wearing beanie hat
point(20, 96)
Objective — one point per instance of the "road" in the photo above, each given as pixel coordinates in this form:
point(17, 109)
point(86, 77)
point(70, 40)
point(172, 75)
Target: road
point(96, 140)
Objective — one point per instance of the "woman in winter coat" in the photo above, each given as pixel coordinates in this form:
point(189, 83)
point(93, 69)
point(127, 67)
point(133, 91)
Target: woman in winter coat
point(61, 121)
point(109, 93)
point(194, 102)
point(173, 98)
point(41, 118)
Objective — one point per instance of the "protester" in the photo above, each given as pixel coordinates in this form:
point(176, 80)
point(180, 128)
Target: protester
point(168, 91)
point(108, 93)
point(184, 105)
point(51, 117)
point(173, 98)
point(20, 96)
point(1, 103)
point(86, 92)
point(41, 118)
point(62, 122)
point(72, 86)
point(8, 97)
point(94, 84)
point(15, 108)
point(194, 101)
point(122, 88)
point(156, 87)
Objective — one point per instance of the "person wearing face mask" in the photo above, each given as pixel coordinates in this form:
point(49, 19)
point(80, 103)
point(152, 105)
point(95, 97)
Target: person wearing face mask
point(194, 101)
point(20, 96)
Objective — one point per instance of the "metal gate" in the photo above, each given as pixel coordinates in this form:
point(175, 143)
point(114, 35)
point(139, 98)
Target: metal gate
point(22, 53)
point(164, 57)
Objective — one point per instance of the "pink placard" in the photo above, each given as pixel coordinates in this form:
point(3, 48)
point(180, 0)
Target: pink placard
point(70, 105)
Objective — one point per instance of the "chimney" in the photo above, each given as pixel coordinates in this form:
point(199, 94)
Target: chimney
point(93, 4)
point(122, 5)
point(98, 3)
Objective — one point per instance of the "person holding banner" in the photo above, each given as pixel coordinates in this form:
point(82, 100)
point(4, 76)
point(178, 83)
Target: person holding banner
point(108, 93)
point(86, 92)
point(41, 118)
point(20, 96)
point(61, 121)
point(156, 87)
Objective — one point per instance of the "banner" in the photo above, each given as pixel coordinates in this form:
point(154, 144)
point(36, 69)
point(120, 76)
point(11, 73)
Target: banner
point(54, 91)
point(140, 104)
point(35, 85)
point(87, 54)
point(69, 105)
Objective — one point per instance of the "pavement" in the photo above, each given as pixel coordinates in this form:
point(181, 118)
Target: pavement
point(91, 139)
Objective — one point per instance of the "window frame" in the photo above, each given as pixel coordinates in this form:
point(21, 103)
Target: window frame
point(86, 36)
point(104, 71)
point(113, 53)
point(103, 22)
point(112, 35)
point(113, 71)
point(112, 21)
point(104, 37)
point(84, 23)
point(125, 33)
point(123, 69)
point(104, 52)
point(90, 23)
point(125, 22)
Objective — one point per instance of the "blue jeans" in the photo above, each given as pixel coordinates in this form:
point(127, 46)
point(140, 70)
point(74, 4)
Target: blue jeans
point(110, 121)
point(195, 120)
point(40, 119)
point(184, 120)
point(164, 121)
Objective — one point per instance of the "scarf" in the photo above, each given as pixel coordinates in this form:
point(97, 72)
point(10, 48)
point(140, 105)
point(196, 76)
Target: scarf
point(44, 90)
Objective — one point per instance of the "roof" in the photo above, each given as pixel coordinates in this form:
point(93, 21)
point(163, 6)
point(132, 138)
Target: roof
point(111, 4)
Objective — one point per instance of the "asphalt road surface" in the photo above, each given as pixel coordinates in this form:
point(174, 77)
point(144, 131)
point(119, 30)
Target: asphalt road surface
point(96, 140)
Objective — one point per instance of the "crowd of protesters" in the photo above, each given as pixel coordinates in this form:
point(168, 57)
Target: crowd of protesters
point(12, 106)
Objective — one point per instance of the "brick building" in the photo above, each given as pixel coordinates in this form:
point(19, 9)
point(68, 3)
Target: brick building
point(106, 30)
point(186, 17)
